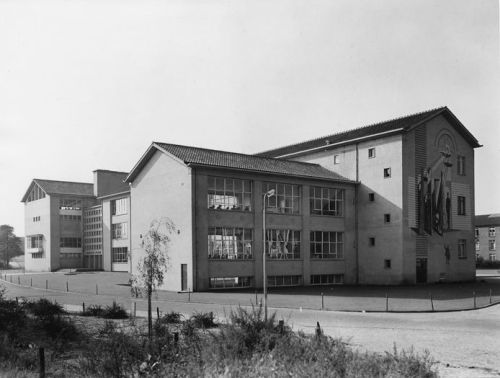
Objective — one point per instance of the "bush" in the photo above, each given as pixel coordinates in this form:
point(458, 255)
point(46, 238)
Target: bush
point(171, 317)
point(115, 311)
point(12, 318)
point(203, 320)
point(93, 310)
point(43, 308)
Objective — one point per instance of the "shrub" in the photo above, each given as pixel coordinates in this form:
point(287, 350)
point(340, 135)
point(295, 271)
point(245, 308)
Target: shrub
point(203, 320)
point(171, 317)
point(115, 311)
point(43, 308)
point(12, 319)
point(93, 310)
point(113, 353)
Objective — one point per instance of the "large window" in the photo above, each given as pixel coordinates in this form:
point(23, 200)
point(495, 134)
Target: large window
point(34, 241)
point(230, 243)
point(327, 245)
point(286, 198)
point(327, 279)
point(461, 165)
point(70, 204)
point(119, 206)
point(327, 201)
point(460, 205)
point(119, 230)
point(229, 194)
point(492, 245)
point(70, 243)
point(283, 244)
point(35, 194)
point(70, 218)
point(492, 232)
point(119, 255)
point(229, 282)
point(462, 251)
point(274, 281)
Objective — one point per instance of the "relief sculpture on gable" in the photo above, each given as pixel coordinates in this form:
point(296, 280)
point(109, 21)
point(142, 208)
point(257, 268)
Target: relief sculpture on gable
point(434, 191)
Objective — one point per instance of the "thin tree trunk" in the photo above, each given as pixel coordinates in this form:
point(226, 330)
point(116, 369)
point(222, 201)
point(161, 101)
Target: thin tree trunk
point(150, 316)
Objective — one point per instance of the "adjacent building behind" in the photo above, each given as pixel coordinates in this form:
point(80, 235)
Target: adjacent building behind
point(487, 231)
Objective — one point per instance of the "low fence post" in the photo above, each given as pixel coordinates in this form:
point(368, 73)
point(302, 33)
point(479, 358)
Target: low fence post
point(96, 290)
point(46, 284)
point(67, 286)
point(474, 295)
point(135, 309)
point(322, 301)
point(157, 312)
point(432, 303)
point(189, 294)
point(83, 307)
point(386, 302)
point(490, 296)
point(256, 297)
point(41, 354)
point(31, 281)
point(18, 280)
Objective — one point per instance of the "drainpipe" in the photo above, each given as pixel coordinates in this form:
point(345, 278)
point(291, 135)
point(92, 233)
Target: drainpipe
point(356, 216)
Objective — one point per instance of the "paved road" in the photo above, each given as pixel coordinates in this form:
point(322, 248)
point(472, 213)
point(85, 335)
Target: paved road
point(466, 343)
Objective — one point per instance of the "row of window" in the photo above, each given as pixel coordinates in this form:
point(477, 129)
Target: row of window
point(36, 219)
point(492, 231)
point(70, 243)
point(236, 194)
point(492, 245)
point(70, 218)
point(275, 281)
point(89, 220)
point(35, 194)
point(237, 243)
point(70, 204)
point(70, 256)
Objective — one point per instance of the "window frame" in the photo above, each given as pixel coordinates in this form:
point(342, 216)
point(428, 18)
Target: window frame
point(461, 206)
point(492, 245)
point(461, 165)
point(277, 241)
point(119, 255)
point(492, 232)
point(332, 198)
point(387, 172)
point(229, 193)
point(224, 244)
point(462, 249)
point(331, 245)
point(371, 153)
point(119, 231)
point(287, 198)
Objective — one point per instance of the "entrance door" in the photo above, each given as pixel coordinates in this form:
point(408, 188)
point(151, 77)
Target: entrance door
point(421, 270)
point(184, 277)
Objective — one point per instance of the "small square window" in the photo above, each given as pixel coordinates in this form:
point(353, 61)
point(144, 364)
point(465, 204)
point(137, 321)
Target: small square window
point(371, 197)
point(492, 245)
point(372, 242)
point(336, 159)
point(387, 218)
point(387, 264)
point(371, 153)
point(387, 172)
point(491, 232)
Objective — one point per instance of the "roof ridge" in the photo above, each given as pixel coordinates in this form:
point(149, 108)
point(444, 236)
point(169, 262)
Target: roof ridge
point(69, 182)
point(357, 128)
point(241, 154)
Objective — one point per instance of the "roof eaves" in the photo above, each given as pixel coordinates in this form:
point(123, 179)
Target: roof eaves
point(336, 179)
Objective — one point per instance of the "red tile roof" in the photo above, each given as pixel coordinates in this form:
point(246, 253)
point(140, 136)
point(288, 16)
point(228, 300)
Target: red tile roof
point(394, 125)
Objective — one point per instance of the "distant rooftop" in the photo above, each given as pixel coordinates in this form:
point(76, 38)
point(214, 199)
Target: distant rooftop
point(52, 187)
point(487, 220)
point(394, 125)
point(223, 159)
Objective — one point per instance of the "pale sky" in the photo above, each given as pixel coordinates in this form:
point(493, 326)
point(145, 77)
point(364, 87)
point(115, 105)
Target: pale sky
point(90, 84)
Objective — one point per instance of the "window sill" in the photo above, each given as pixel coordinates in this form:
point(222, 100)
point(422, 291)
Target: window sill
point(326, 216)
point(231, 210)
point(232, 260)
point(327, 259)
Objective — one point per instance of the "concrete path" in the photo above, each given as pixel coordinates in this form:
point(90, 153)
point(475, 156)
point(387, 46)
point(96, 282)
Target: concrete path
point(465, 343)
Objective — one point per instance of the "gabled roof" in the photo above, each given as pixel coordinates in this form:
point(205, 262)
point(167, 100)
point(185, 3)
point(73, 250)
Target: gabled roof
point(194, 156)
point(487, 220)
point(397, 125)
point(51, 187)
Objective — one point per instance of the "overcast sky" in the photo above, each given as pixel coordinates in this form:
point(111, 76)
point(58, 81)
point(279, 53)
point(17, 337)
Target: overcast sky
point(87, 85)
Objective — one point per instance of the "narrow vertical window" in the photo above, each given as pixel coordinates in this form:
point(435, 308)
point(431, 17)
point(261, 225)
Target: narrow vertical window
point(371, 197)
point(461, 165)
point(336, 159)
point(387, 172)
point(371, 153)
point(462, 252)
point(387, 264)
point(461, 205)
point(387, 218)
point(372, 241)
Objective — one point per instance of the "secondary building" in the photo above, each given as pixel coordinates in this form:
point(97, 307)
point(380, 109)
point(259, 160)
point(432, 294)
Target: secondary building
point(487, 229)
point(78, 225)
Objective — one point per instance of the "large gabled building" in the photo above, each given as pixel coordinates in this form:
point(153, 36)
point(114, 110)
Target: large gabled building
point(487, 233)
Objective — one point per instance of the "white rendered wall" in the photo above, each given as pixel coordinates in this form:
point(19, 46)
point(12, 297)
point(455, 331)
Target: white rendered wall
point(32, 209)
point(164, 189)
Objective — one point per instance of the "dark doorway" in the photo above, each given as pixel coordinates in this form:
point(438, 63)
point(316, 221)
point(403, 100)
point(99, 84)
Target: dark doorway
point(184, 276)
point(421, 270)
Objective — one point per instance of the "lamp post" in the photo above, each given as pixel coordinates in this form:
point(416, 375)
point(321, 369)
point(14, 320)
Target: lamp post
point(268, 194)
